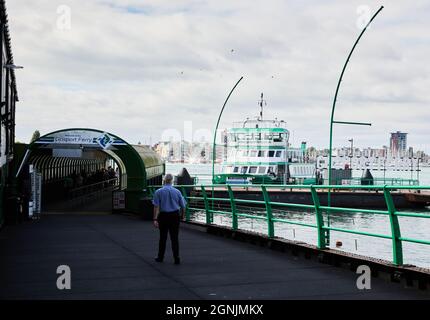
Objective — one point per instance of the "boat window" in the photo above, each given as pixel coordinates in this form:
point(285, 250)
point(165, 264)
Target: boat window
point(252, 169)
point(277, 138)
point(243, 170)
point(245, 153)
point(278, 153)
point(262, 170)
point(236, 169)
point(253, 153)
point(261, 153)
point(271, 153)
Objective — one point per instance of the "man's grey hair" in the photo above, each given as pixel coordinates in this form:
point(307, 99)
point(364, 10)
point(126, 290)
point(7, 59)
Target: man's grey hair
point(168, 178)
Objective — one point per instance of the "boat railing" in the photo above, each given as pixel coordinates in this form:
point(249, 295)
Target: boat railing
point(266, 124)
point(377, 181)
point(355, 181)
point(228, 201)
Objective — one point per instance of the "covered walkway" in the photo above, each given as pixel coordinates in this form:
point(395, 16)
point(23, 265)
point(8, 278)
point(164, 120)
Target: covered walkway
point(111, 257)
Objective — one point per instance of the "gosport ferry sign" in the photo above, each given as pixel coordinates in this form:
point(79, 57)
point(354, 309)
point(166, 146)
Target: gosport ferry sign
point(81, 138)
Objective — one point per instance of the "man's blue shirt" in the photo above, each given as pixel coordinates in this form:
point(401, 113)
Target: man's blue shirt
point(168, 199)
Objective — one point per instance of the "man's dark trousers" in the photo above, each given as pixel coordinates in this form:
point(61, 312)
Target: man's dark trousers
point(168, 222)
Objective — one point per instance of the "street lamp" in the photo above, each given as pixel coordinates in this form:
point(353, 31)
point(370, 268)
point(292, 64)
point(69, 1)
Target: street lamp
point(332, 121)
point(12, 66)
point(216, 129)
point(418, 169)
point(352, 152)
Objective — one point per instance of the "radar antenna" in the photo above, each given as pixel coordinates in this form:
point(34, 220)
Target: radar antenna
point(261, 103)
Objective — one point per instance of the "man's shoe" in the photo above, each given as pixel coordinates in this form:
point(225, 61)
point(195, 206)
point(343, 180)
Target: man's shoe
point(177, 261)
point(159, 259)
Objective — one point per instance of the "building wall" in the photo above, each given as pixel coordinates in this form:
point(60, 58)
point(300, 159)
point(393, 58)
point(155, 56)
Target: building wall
point(398, 144)
point(8, 99)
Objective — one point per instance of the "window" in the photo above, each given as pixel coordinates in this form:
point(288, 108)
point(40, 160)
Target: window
point(261, 153)
point(278, 154)
point(271, 154)
point(245, 153)
point(236, 169)
point(243, 170)
point(252, 169)
point(253, 153)
point(262, 170)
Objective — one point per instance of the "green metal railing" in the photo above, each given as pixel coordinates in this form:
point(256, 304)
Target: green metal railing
point(200, 200)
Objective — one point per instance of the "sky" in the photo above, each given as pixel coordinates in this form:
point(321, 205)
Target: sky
point(149, 70)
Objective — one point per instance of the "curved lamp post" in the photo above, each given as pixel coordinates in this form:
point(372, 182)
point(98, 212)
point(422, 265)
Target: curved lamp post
point(332, 121)
point(216, 129)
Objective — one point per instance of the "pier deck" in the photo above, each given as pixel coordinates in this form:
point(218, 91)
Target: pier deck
point(112, 257)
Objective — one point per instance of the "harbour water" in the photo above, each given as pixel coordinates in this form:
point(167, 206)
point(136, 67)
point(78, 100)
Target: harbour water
point(414, 254)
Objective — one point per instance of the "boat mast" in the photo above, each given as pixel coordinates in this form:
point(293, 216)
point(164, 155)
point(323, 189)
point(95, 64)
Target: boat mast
point(261, 103)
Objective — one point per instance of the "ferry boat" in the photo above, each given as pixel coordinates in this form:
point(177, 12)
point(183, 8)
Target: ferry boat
point(259, 152)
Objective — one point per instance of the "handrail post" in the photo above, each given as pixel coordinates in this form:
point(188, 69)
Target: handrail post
point(205, 199)
point(395, 228)
point(151, 191)
point(270, 225)
point(187, 211)
point(234, 222)
point(322, 238)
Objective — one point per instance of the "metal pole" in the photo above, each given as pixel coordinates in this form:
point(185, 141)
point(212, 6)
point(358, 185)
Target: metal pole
point(412, 168)
point(216, 129)
point(385, 163)
point(336, 93)
point(418, 170)
point(334, 103)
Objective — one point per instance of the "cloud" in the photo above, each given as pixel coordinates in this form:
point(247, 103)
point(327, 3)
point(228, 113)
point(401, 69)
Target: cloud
point(138, 68)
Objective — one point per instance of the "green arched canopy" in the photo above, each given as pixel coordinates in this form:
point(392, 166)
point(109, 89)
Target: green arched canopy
point(139, 162)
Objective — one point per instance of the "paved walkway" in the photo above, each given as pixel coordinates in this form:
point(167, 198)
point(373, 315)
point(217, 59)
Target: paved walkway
point(111, 257)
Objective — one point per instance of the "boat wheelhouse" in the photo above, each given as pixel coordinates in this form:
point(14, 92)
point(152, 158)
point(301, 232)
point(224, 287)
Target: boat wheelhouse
point(259, 152)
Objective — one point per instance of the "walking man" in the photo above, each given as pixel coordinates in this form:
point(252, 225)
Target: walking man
point(169, 209)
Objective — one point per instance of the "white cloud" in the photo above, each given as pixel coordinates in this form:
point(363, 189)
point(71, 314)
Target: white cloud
point(137, 68)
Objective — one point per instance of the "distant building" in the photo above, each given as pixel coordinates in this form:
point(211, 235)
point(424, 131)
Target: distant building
point(398, 144)
point(8, 99)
